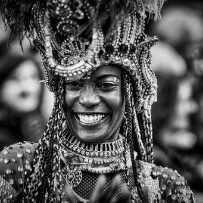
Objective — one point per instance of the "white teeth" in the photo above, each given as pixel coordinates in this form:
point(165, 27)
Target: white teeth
point(94, 118)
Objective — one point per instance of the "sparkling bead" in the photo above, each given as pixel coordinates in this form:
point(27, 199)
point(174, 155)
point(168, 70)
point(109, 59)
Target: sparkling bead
point(5, 152)
point(11, 181)
point(173, 178)
point(164, 187)
point(28, 167)
point(20, 181)
point(8, 171)
point(20, 169)
point(178, 183)
point(19, 155)
point(27, 162)
point(154, 173)
point(6, 161)
point(173, 197)
point(28, 151)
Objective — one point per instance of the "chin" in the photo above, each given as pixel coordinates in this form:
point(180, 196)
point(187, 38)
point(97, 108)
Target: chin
point(90, 138)
point(27, 108)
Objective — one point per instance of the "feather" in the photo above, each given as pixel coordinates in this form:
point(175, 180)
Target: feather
point(106, 14)
point(17, 15)
point(154, 7)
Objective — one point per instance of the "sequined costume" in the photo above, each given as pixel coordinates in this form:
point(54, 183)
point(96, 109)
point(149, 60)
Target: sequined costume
point(163, 184)
point(75, 38)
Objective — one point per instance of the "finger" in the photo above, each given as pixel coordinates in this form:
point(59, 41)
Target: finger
point(125, 195)
point(98, 191)
point(69, 197)
point(112, 190)
point(146, 198)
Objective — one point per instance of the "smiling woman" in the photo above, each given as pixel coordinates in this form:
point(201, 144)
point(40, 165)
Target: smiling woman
point(95, 107)
point(97, 146)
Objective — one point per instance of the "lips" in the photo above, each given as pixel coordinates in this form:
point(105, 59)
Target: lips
point(91, 118)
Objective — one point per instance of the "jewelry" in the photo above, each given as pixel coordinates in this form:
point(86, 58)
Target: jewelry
point(96, 158)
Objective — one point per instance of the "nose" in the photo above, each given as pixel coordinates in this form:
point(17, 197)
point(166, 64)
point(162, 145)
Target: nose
point(89, 97)
point(30, 84)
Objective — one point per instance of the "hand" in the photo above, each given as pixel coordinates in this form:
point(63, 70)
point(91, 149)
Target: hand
point(101, 196)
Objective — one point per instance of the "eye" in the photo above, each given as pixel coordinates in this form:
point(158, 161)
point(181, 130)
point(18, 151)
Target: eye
point(105, 86)
point(74, 85)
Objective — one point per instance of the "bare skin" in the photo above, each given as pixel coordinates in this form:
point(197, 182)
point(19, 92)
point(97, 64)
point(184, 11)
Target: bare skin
point(102, 93)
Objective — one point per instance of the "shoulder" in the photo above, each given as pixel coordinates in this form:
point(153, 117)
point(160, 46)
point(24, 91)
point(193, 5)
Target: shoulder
point(170, 184)
point(15, 163)
point(7, 137)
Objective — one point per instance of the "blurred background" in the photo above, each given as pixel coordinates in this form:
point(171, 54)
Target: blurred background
point(25, 102)
point(177, 60)
point(177, 116)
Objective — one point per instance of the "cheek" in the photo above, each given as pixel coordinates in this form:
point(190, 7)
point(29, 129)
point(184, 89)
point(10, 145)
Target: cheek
point(70, 98)
point(9, 91)
point(117, 102)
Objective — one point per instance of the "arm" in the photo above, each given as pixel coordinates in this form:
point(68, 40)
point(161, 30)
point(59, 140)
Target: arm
point(173, 186)
point(14, 163)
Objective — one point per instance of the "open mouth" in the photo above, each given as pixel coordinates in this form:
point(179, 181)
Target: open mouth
point(91, 118)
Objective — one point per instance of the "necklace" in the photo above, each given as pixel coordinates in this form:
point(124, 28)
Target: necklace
point(98, 158)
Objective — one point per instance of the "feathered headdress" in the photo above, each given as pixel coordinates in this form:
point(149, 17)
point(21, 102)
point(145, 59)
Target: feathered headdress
point(19, 16)
point(76, 36)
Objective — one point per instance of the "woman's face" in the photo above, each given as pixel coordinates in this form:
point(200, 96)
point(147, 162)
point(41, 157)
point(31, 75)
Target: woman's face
point(21, 90)
point(94, 107)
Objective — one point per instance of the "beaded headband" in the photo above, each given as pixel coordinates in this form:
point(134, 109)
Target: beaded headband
point(77, 36)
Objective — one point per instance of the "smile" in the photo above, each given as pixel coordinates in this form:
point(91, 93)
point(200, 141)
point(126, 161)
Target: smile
point(91, 118)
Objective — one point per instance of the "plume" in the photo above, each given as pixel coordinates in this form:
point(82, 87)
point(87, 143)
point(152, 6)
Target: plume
point(109, 12)
point(17, 14)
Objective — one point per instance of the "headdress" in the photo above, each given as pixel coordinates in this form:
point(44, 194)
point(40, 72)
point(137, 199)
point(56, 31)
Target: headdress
point(75, 37)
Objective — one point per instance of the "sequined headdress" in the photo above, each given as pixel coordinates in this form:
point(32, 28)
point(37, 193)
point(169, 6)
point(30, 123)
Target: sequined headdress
point(78, 36)
point(75, 37)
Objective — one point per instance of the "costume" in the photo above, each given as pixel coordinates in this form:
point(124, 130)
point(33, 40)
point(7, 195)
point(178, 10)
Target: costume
point(162, 183)
point(75, 38)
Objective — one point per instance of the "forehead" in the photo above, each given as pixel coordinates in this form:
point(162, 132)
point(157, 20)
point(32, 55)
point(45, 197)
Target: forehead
point(26, 68)
point(107, 70)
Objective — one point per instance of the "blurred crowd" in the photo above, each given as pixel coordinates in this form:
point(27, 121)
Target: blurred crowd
point(25, 103)
point(177, 116)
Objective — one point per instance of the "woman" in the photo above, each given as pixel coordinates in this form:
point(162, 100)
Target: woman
point(21, 94)
point(97, 60)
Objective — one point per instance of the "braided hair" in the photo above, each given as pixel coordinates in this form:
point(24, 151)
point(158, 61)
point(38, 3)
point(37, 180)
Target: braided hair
point(47, 174)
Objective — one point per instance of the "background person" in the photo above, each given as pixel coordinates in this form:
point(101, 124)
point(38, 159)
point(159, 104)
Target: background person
point(21, 95)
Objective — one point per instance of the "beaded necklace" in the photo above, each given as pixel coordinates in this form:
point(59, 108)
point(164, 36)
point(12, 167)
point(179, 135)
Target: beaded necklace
point(96, 158)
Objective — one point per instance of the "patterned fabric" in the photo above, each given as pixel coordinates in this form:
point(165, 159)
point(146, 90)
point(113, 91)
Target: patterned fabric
point(158, 184)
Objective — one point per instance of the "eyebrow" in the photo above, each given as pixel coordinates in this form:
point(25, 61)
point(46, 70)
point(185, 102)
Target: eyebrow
point(107, 75)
